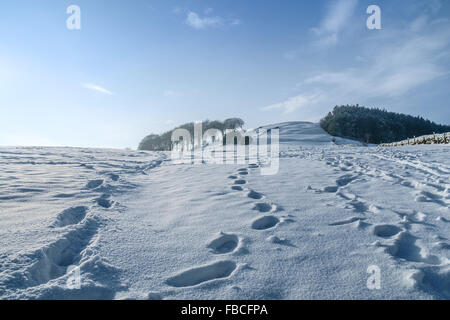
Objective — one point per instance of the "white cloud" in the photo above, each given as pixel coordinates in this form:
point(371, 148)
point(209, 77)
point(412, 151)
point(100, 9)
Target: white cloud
point(198, 22)
point(338, 18)
point(419, 23)
point(235, 22)
point(339, 14)
point(293, 104)
point(394, 66)
point(195, 21)
point(177, 10)
point(97, 88)
point(171, 93)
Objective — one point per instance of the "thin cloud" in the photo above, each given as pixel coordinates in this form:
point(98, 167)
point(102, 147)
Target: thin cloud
point(195, 21)
point(292, 104)
point(178, 10)
point(97, 88)
point(235, 22)
point(198, 22)
point(394, 69)
point(171, 93)
point(338, 16)
point(337, 19)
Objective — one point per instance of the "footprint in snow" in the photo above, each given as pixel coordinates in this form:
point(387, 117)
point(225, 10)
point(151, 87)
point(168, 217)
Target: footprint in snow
point(224, 243)
point(358, 206)
point(113, 176)
point(198, 275)
point(345, 180)
point(104, 201)
point(265, 222)
point(406, 247)
point(263, 207)
point(386, 230)
point(276, 240)
point(348, 221)
point(70, 216)
point(94, 184)
point(52, 261)
point(255, 195)
point(330, 189)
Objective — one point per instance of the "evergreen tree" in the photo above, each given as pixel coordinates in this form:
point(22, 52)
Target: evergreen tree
point(376, 125)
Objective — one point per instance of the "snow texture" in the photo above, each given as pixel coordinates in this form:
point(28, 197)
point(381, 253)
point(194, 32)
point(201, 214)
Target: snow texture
point(138, 226)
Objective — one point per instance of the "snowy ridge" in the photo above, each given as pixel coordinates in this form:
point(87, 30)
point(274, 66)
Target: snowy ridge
point(307, 134)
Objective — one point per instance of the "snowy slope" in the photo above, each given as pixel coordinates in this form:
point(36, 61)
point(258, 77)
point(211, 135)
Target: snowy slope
point(306, 134)
point(141, 227)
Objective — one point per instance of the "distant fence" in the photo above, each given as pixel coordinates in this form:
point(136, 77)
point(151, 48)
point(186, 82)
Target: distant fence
point(441, 138)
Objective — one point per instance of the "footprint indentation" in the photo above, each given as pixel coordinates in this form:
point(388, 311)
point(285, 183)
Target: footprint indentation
point(52, 261)
point(443, 219)
point(331, 189)
point(386, 230)
point(113, 176)
point(345, 180)
point(348, 221)
point(70, 216)
point(262, 207)
point(254, 195)
point(276, 240)
point(94, 184)
point(406, 247)
point(104, 201)
point(265, 222)
point(195, 276)
point(225, 243)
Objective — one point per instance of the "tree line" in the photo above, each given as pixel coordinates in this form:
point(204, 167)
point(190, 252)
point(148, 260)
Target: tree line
point(374, 125)
point(163, 142)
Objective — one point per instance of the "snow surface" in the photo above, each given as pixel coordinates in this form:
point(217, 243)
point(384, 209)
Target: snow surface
point(139, 226)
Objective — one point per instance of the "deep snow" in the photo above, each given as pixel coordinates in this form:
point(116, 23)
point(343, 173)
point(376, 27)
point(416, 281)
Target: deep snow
point(139, 226)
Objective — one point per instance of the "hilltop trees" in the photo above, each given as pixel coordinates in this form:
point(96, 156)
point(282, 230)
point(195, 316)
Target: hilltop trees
point(376, 125)
point(233, 123)
point(163, 142)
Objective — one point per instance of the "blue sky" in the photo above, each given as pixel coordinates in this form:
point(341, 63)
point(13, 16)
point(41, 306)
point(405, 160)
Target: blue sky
point(139, 67)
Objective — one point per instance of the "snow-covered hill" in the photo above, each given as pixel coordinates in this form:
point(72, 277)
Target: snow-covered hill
point(306, 134)
point(138, 226)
